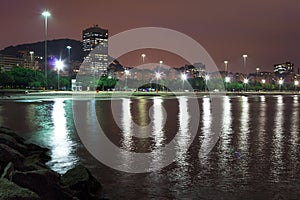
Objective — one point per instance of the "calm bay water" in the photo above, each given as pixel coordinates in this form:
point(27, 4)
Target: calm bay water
point(257, 155)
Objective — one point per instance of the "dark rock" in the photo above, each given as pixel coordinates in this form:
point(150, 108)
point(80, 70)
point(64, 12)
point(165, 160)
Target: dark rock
point(13, 134)
point(81, 180)
point(7, 171)
point(38, 152)
point(12, 142)
point(8, 154)
point(45, 183)
point(11, 191)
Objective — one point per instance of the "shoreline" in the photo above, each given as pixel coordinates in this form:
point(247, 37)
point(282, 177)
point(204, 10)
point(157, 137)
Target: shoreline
point(23, 95)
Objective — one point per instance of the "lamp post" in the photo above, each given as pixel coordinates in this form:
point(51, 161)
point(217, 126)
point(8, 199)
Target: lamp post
point(143, 61)
point(263, 81)
point(227, 80)
point(126, 74)
point(226, 66)
point(46, 14)
point(70, 65)
point(245, 56)
point(296, 83)
point(157, 75)
point(183, 78)
point(206, 79)
point(59, 65)
point(246, 81)
point(31, 58)
point(143, 57)
point(280, 83)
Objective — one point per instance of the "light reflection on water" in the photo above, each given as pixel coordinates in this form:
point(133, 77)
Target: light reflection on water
point(263, 129)
point(60, 142)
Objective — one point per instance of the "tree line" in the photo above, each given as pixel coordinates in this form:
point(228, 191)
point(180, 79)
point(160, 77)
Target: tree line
point(24, 78)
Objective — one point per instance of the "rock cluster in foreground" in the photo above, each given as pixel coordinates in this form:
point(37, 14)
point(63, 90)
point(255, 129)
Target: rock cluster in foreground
point(24, 174)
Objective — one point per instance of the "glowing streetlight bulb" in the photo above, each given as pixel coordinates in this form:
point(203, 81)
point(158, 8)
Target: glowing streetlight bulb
point(206, 77)
point(245, 56)
point(157, 75)
point(263, 81)
point(46, 13)
point(296, 82)
point(246, 80)
point(59, 64)
point(227, 79)
point(280, 82)
point(143, 57)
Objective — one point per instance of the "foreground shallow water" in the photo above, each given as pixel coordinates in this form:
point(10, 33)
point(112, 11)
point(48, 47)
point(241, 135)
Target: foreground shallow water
point(256, 155)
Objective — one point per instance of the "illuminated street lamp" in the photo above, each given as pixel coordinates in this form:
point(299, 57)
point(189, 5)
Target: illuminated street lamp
point(245, 56)
point(59, 65)
point(296, 83)
point(226, 66)
point(257, 70)
point(280, 83)
point(46, 14)
point(157, 76)
point(227, 80)
point(183, 78)
point(31, 58)
point(126, 74)
point(206, 79)
point(246, 81)
point(143, 59)
point(263, 81)
point(69, 64)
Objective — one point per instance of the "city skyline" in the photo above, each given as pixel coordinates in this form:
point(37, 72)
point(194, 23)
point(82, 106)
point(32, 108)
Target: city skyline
point(265, 31)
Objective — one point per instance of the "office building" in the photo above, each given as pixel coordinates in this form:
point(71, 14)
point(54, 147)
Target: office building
point(95, 45)
point(284, 68)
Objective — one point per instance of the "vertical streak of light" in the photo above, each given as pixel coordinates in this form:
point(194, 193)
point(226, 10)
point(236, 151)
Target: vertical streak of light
point(127, 143)
point(62, 145)
point(295, 132)
point(262, 123)
point(157, 130)
point(277, 140)
point(206, 126)
point(226, 136)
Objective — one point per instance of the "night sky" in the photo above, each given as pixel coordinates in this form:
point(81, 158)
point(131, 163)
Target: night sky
point(268, 31)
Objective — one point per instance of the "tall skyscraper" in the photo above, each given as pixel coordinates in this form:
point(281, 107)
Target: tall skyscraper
point(95, 44)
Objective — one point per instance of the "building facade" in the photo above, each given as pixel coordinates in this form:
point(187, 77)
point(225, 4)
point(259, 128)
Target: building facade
point(283, 68)
point(95, 45)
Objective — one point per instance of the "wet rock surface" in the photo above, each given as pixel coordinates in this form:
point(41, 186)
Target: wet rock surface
point(24, 174)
